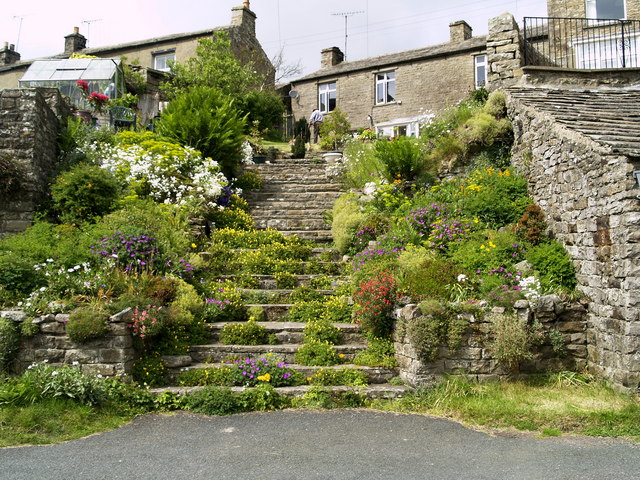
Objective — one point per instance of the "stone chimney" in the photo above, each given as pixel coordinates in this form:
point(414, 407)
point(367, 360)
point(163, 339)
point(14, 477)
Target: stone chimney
point(74, 42)
point(8, 54)
point(330, 57)
point(244, 18)
point(459, 31)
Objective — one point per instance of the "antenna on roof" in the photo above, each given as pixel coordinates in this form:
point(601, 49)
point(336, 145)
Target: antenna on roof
point(89, 22)
point(346, 15)
point(20, 17)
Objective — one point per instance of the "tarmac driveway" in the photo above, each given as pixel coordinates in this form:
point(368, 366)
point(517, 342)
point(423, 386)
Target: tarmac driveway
point(300, 444)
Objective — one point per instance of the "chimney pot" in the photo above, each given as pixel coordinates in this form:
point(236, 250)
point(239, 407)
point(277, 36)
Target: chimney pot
point(460, 31)
point(330, 57)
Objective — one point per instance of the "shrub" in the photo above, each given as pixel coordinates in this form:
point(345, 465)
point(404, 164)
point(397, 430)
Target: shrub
point(298, 149)
point(374, 300)
point(9, 341)
point(85, 193)
point(554, 264)
point(344, 376)
point(263, 398)
point(198, 377)
point(334, 130)
point(206, 120)
point(285, 280)
point(404, 158)
point(249, 333)
point(361, 165)
point(150, 371)
point(347, 218)
point(231, 218)
point(379, 353)
point(86, 324)
point(514, 339)
point(147, 321)
point(18, 275)
point(224, 304)
point(133, 252)
point(317, 354)
point(248, 180)
point(531, 226)
point(214, 401)
point(321, 330)
point(439, 326)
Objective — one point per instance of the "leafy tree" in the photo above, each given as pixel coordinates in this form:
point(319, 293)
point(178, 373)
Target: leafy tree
point(334, 130)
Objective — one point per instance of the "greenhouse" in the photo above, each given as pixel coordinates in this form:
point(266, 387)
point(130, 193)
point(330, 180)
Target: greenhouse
point(103, 75)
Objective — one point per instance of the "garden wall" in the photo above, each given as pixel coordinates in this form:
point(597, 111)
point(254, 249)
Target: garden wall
point(589, 197)
point(29, 126)
point(109, 356)
point(474, 356)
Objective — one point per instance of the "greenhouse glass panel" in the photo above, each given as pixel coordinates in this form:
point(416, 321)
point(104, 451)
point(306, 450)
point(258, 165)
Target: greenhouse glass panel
point(104, 75)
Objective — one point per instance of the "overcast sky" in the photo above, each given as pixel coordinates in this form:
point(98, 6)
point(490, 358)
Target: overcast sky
point(302, 27)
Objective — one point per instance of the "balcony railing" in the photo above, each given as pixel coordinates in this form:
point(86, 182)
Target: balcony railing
point(581, 43)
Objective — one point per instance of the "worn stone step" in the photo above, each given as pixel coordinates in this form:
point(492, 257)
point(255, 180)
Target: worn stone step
point(289, 224)
point(214, 353)
point(275, 210)
point(378, 391)
point(318, 236)
point(276, 295)
point(293, 332)
point(268, 282)
point(320, 197)
point(375, 375)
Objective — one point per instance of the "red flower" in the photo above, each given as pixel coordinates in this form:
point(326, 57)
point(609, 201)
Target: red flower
point(82, 85)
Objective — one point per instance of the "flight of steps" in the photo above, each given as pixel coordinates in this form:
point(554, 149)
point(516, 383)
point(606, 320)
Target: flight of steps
point(294, 197)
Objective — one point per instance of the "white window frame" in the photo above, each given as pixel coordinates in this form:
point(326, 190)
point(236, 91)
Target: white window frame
point(162, 58)
point(480, 61)
point(605, 52)
point(324, 96)
point(385, 80)
point(591, 9)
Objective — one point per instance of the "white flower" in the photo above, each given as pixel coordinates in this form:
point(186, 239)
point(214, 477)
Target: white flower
point(54, 373)
point(75, 363)
point(462, 278)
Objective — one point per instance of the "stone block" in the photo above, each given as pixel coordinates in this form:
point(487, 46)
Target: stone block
point(177, 361)
point(50, 355)
point(52, 327)
point(114, 355)
point(100, 369)
point(81, 355)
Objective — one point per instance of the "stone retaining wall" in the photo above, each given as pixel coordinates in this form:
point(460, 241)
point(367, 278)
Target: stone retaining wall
point(474, 357)
point(109, 356)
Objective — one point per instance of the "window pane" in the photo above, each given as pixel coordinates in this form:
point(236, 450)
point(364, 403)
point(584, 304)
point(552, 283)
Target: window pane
point(332, 101)
point(380, 93)
point(391, 91)
point(610, 8)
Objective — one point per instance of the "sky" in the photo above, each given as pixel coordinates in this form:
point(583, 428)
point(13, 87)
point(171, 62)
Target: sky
point(298, 28)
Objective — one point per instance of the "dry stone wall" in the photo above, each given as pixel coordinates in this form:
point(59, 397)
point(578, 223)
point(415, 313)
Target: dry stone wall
point(475, 358)
point(109, 356)
point(590, 199)
point(29, 125)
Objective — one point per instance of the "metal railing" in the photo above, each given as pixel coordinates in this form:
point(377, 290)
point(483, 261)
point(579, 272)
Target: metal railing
point(581, 43)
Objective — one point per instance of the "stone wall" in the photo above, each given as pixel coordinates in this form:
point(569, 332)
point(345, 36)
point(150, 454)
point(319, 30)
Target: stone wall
point(29, 125)
point(578, 9)
point(474, 358)
point(109, 356)
point(504, 52)
point(590, 200)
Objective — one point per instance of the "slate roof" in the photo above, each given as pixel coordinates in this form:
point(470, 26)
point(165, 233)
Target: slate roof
point(609, 116)
point(407, 56)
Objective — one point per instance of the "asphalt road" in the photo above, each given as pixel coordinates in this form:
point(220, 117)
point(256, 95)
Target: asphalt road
point(298, 444)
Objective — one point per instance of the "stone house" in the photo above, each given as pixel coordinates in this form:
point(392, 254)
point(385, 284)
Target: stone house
point(154, 54)
point(393, 93)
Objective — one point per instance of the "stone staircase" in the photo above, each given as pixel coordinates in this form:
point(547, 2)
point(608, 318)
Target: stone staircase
point(296, 193)
point(294, 197)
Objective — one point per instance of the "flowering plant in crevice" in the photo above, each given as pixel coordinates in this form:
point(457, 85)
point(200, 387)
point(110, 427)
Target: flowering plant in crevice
point(374, 299)
point(269, 369)
point(134, 253)
point(224, 303)
point(146, 321)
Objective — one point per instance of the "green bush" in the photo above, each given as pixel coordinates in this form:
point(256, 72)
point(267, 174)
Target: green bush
point(317, 354)
point(198, 377)
point(375, 298)
point(334, 130)
point(531, 227)
point(347, 218)
point(298, 149)
point(514, 339)
point(263, 398)
point(86, 324)
point(285, 280)
point(343, 376)
point(9, 342)
point(321, 330)
point(248, 180)
point(213, 400)
point(248, 333)
point(404, 158)
point(379, 353)
point(18, 275)
point(206, 120)
point(85, 193)
point(553, 263)
point(150, 371)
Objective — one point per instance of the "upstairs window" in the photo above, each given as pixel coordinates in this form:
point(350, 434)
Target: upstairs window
point(162, 60)
point(606, 9)
point(327, 97)
point(480, 62)
point(385, 88)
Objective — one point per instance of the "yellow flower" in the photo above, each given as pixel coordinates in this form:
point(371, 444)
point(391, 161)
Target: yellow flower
point(482, 247)
point(308, 379)
point(264, 378)
point(193, 245)
point(492, 245)
point(476, 220)
point(341, 355)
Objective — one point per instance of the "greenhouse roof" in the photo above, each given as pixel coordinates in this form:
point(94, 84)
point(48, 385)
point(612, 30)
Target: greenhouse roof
point(72, 69)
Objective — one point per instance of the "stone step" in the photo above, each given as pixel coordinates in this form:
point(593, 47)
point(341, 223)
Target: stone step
point(276, 295)
point(379, 391)
point(318, 236)
point(276, 210)
point(291, 224)
point(214, 353)
point(298, 197)
point(293, 332)
point(268, 282)
point(375, 375)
